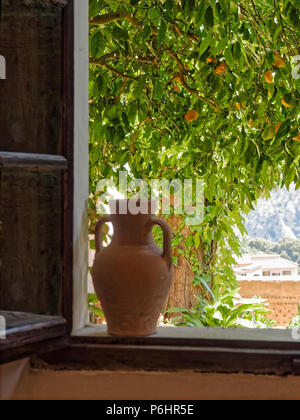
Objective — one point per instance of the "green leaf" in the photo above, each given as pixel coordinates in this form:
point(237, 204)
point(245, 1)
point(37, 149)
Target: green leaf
point(120, 34)
point(293, 16)
point(236, 51)
point(162, 31)
point(284, 129)
point(97, 44)
point(146, 32)
point(159, 90)
point(92, 298)
point(97, 311)
point(189, 7)
point(94, 7)
point(209, 19)
point(132, 112)
point(101, 83)
point(201, 12)
point(204, 45)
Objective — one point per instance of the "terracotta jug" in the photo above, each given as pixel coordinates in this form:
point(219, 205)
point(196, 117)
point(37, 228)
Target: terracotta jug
point(132, 276)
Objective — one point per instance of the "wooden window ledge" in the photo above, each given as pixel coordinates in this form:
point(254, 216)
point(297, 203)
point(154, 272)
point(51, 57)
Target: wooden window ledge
point(29, 334)
point(172, 349)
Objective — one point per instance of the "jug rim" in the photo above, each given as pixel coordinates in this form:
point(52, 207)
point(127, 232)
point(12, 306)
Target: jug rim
point(133, 206)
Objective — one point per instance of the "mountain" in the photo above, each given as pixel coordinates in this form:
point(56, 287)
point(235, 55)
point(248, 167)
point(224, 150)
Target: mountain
point(277, 218)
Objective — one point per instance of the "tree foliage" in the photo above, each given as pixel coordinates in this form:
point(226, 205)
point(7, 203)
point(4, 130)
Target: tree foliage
point(197, 89)
point(287, 248)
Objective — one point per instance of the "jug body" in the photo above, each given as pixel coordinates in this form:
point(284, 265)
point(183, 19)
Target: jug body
point(132, 276)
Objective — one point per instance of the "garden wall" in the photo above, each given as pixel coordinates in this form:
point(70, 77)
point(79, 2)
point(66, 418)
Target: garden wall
point(282, 295)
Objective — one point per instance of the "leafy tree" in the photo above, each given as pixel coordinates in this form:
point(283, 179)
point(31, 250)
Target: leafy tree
point(287, 248)
point(197, 89)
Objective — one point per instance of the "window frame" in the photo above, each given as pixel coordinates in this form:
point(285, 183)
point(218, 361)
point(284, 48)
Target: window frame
point(217, 350)
point(200, 350)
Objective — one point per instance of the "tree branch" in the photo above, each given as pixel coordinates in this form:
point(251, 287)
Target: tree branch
point(193, 91)
point(102, 63)
point(136, 134)
point(114, 55)
point(113, 16)
point(103, 60)
point(188, 34)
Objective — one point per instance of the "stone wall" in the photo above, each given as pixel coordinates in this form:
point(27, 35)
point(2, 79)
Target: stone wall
point(283, 297)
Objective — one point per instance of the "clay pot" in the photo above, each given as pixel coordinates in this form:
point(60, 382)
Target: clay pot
point(132, 276)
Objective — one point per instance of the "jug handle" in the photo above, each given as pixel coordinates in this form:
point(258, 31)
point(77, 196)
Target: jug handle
point(98, 233)
point(167, 253)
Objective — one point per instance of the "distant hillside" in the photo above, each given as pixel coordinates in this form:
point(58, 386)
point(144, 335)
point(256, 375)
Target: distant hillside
point(276, 219)
point(287, 248)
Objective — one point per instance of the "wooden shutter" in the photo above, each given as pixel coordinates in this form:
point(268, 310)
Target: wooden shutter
point(36, 157)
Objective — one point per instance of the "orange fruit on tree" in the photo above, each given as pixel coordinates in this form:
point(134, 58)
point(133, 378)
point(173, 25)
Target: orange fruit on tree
point(285, 103)
point(278, 62)
point(269, 78)
point(177, 79)
point(222, 68)
point(277, 127)
point(211, 60)
point(297, 138)
point(240, 105)
point(191, 115)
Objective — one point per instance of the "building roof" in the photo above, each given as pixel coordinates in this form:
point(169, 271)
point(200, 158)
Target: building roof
point(264, 262)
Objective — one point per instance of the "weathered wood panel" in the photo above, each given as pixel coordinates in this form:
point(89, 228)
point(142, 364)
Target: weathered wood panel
point(30, 97)
point(29, 334)
point(30, 241)
point(33, 161)
point(172, 358)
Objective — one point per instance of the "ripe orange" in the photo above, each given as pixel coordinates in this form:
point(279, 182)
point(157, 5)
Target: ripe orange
point(211, 60)
point(278, 62)
point(222, 68)
point(240, 105)
point(297, 138)
point(177, 79)
point(191, 115)
point(269, 78)
point(277, 127)
point(285, 103)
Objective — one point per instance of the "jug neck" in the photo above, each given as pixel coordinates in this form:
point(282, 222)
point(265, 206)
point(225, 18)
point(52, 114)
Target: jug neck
point(132, 229)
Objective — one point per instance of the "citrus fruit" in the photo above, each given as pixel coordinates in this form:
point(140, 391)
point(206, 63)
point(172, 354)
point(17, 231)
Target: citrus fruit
point(269, 78)
point(277, 127)
point(297, 138)
point(191, 115)
point(222, 68)
point(285, 102)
